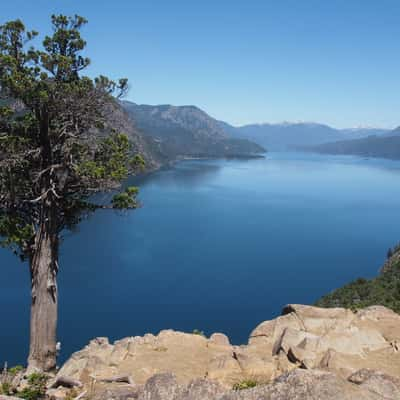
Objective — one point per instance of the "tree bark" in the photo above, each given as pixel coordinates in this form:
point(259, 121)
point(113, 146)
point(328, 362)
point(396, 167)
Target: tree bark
point(44, 268)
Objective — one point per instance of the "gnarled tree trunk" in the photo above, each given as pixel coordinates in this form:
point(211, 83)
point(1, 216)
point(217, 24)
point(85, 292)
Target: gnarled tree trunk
point(44, 268)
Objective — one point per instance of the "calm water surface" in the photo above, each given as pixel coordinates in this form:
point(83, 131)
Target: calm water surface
point(217, 246)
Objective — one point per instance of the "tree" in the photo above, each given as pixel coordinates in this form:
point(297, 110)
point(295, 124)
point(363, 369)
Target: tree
point(54, 155)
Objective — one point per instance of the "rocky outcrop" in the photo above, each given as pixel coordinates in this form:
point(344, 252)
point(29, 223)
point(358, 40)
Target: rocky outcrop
point(296, 385)
point(334, 339)
point(310, 385)
point(307, 351)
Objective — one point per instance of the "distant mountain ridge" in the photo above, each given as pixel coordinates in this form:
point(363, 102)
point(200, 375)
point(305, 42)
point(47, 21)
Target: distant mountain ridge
point(394, 132)
point(164, 133)
point(384, 146)
point(174, 132)
point(289, 136)
point(187, 131)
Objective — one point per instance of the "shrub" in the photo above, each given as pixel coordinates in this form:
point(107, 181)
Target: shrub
point(36, 389)
point(5, 388)
point(246, 384)
point(15, 370)
point(198, 332)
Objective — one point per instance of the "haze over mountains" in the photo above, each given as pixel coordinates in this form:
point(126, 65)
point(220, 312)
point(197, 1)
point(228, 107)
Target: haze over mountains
point(165, 133)
point(173, 132)
point(290, 136)
point(384, 146)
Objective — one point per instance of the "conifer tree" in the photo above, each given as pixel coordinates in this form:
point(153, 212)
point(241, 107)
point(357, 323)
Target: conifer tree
point(54, 155)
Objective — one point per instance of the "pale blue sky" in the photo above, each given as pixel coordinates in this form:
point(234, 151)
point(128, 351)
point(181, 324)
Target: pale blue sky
point(336, 61)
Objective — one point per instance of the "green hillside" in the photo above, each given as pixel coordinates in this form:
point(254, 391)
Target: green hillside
point(383, 290)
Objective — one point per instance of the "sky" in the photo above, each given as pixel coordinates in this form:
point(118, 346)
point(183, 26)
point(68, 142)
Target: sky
point(335, 62)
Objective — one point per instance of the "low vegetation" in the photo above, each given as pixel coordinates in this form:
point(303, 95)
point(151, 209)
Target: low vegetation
point(36, 388)
point(198, 332)
point(371, 146)
point(246, 384)
point(15, 370)
point(13, 379)
point(5, 389)
point(383, 290)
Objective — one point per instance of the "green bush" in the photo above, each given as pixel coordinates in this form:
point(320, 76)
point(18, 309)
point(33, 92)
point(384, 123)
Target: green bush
point(198, 332)
point(15, 370)
point(246, 384)
point(5, 389)
point(36, 389)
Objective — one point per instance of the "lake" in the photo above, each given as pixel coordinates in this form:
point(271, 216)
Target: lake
point(218, 245)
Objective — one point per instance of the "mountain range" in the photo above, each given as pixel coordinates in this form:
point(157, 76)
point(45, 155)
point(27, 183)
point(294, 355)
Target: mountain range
point(187, 131)
point(290, 136)
point(167, 133)
point(384, 146)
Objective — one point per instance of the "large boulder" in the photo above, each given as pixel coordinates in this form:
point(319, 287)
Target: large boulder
point(376, 381)
point(335, 339)
point(303, 337)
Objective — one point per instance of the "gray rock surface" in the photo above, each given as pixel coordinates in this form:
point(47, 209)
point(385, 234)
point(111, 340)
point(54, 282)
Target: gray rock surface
point(296, 385)
point(306, 385)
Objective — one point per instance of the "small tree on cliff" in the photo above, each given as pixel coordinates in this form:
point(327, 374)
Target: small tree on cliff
point(52, 158)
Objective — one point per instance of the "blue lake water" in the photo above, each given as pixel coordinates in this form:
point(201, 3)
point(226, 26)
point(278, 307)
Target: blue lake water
point(217, 246)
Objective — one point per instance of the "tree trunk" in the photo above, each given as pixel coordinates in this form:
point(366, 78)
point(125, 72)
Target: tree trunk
point(43, 327)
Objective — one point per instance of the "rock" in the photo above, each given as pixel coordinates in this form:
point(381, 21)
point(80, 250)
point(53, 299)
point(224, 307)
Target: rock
point(115, 392)
point(119, 379)
point(220, 338)
point(161, 387)
point(268, 333)
point(298, 384)
point(65, 381)
point(225, 369)
point(202, 389)
point(298, 356)
point(308, 336)
point(2, 397)
point(186, 355)
point(342, 364)
point(320, 320)
point(375, 381)
point(305, 385)
point(384, 319)
point(256, 367)
point(335, 340)
point(294, 337)
point(57, 393)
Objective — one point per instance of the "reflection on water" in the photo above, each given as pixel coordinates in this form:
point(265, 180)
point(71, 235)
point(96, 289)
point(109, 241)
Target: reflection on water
point(185, 174)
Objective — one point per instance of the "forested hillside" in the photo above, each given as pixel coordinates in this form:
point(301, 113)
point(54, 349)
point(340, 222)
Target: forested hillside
point(382, 290)
point(187, 131)
point(384, 146)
